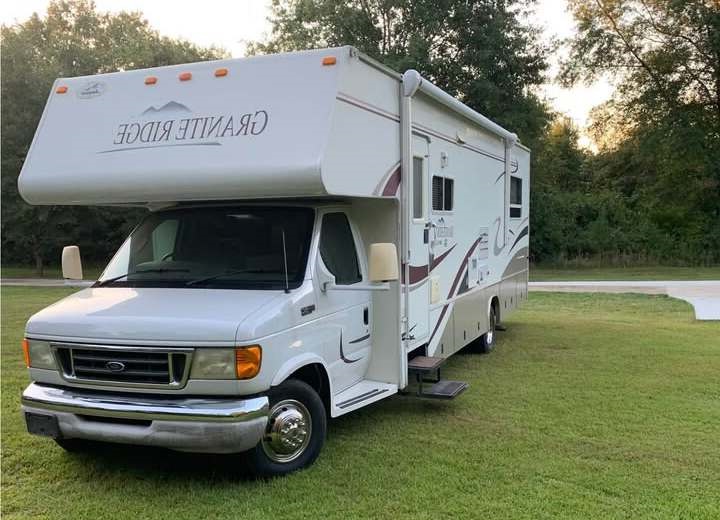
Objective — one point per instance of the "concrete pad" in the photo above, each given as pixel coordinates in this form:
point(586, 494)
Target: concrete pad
point(703, 295)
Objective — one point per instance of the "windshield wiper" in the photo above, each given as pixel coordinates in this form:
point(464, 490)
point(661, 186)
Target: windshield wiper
point(157, 270)
point(227, 273)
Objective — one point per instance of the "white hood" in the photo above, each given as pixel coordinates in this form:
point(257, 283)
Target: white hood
point(148, 314)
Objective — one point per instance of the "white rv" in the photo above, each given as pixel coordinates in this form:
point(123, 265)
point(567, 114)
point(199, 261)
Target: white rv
point(323, 233)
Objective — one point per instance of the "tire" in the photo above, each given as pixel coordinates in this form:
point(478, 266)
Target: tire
point(293, 404)
point(487, 341)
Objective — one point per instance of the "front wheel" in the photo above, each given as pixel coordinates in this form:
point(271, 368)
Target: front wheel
point(487, 340)
point(295, 433)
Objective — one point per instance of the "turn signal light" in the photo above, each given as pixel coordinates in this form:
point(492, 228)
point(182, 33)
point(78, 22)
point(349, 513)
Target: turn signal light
point(185, 76)
point(329, 60)
point(26, 352)
point(150, 80)
point(61, 89)
point(247, 361)
point(219, 73)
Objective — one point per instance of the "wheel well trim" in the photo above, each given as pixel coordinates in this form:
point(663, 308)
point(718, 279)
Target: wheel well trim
point(294, 364)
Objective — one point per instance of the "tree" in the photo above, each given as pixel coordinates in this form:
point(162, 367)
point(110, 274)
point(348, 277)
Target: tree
point(477, 50)
point(72, 39)
point(659, 136)
point(559, 159)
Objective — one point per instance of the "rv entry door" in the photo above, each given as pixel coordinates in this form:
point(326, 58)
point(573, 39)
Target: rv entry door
point(419, 244)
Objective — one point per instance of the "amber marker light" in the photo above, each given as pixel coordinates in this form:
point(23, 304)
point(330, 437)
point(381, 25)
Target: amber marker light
point(329, 60)
point(247, 361)
point(150, 80)
point(221, 73)
point(61, 89)
point(185, 76)
point(26, 352)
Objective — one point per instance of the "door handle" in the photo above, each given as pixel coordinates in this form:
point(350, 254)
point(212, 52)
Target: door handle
point(366, 315)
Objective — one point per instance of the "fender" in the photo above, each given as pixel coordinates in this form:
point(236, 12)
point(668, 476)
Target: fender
point(292, 364)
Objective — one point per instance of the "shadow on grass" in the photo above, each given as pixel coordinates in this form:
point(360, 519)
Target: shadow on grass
point(159, 464)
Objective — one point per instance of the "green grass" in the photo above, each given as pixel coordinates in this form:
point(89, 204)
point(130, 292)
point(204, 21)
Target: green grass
point(592, 406)
point(90, 272)
point(551, 274)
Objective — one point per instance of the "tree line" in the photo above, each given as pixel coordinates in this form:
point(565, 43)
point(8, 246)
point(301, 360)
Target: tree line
point(650, 194)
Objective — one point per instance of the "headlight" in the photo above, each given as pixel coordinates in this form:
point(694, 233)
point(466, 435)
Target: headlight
point(38, 354)
point(226, 363)
point(213, 363)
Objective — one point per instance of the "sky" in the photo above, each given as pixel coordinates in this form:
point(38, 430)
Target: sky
point(232, 23)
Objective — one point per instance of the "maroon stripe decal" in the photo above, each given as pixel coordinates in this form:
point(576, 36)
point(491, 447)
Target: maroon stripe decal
point(419, 272)
point(436, 261)
point(454, 286)
point(392, 184)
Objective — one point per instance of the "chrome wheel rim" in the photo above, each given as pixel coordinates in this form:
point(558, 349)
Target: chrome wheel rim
point(288, 431)
point(491, 333)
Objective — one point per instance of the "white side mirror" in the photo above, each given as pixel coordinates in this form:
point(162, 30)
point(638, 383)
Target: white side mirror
point(383, 262)
point(71, 263)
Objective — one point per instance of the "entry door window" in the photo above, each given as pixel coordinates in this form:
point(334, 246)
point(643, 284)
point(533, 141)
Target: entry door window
point(337, 249)
point(515, 197)
point(418, 188)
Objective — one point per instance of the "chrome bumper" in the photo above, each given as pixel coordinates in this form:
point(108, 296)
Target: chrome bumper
point(209, 425)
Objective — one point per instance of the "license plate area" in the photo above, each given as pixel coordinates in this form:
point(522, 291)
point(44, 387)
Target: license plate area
point(45, 425)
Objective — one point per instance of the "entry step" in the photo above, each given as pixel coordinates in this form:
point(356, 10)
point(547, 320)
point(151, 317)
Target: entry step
point(444, 389)
point(425, 364)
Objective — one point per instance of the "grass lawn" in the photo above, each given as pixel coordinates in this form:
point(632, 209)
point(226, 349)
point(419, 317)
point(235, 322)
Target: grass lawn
point(90, 272)
point(592, 406)
point(551, 274)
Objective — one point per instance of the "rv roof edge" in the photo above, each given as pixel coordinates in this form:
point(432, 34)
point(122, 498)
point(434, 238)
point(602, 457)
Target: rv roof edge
point(413, 82)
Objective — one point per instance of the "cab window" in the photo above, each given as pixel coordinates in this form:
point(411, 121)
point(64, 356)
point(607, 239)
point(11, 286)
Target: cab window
point(337, 249)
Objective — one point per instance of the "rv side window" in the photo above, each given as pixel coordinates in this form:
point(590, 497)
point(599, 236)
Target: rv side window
point(515, 197)
point(442, 193)
point(337, 249)
point(418, 206)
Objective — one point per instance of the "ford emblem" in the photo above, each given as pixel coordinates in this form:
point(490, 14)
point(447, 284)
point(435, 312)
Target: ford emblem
point(115, 366)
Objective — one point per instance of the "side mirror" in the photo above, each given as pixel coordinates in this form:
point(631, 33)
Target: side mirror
point(71, 263)
point(383, 262)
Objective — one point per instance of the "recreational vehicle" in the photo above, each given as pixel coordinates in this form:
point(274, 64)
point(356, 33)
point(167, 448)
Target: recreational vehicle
point(323, 233)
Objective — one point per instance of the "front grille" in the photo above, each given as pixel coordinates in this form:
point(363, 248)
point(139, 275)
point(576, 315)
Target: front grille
point(131, 366)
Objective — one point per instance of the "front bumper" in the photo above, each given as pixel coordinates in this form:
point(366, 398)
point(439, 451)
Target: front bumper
point(197, 424)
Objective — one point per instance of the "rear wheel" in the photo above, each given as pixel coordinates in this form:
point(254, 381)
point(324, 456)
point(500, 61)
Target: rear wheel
point(487, 340)
point(295, 433)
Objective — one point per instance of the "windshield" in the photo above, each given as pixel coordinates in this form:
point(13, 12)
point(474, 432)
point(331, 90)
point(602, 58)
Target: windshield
point(229, 247)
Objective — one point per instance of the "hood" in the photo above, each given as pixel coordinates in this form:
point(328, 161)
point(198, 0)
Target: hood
point(150, 314)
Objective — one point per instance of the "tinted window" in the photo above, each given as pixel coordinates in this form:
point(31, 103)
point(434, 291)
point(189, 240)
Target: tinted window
point(515, 190)
point(233, 247)
point(337, 249)
point(448, 196)
point(417, 187)
point(437, 193)
point(442, 193)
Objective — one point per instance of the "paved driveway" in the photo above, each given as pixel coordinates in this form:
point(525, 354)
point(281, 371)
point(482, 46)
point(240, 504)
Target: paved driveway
point(704, 296)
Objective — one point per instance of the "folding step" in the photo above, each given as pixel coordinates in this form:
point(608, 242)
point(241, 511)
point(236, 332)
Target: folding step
point(424, 367)
point(444, 389)
point(425, 364)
